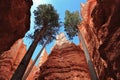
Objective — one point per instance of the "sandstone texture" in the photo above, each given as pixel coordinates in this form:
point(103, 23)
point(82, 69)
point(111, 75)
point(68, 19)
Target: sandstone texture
point(43, 58)
point(66, 62)
point(14, 21)
point(101, 30)
point(9, 60)
point(34, 72)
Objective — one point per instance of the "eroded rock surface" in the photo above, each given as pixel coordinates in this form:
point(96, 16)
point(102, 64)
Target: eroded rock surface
point(66, 62)
point(44, 57)
point(101, 30)
point(14, 21)
point(34, 72)
point(9, 60)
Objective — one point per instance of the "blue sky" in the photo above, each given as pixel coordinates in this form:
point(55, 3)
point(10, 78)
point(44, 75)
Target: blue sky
point(61, 6)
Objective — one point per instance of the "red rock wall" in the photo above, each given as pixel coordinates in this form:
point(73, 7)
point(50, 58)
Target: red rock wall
point(43, 58)
point(101, 30)
point(14, 21)
point(34, 72)
point(9, 60)
point(66, 62)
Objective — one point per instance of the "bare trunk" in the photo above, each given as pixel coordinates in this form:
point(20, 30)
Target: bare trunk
point(31, 66)
point(87, 56)
point(18, 74)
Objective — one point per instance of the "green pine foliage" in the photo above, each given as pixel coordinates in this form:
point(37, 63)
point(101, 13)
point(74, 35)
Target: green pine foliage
point(70, 24)
point(46, 16)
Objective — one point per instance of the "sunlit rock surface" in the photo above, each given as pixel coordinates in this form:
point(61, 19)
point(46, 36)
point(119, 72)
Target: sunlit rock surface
point(101, 30)
point(14, 21)
point(34, 72)
point(9, 60)
point(66, 62)
point(61, 39)
point(44, 57)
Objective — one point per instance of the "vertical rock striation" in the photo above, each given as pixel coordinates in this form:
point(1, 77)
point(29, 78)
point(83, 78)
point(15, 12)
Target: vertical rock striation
point(9, 60)
point(101, 30)
point(66, 62)
point(14, 21)
point(34, 72)
point(44, 57)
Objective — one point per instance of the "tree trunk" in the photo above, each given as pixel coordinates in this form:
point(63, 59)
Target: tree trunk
point(18, 74)
point(31, 66)
point(87, 56)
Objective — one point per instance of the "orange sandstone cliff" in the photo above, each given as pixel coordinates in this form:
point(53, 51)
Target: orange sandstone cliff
point(36, 71)
point(14, 23)
point(43, 58)
point(65, 62)
point(9, 60)
point(101, 30)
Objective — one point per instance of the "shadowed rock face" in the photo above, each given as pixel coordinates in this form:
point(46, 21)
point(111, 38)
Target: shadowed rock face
point(101, 30)
point(14, 21)
point(66, 62)
point(109, 34)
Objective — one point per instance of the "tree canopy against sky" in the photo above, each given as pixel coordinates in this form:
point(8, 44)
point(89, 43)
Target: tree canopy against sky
point(61, 6)
point(71, 22)
point(46, 16)
point(46, 25)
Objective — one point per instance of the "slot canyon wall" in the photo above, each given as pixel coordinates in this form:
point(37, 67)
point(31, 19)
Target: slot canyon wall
point(34, 74)
point(9, 60)
point(14, 21)
point(100, 28)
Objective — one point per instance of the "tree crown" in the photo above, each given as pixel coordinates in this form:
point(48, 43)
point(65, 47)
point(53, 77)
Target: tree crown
point(70, 24)
point(46, 16)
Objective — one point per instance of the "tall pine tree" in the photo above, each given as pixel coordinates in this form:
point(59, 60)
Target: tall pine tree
point(71, 23)
point(46, 24)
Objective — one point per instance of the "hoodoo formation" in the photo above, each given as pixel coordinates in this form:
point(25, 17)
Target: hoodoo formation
point(65, 62)
point(100, 28)
point(9, 60)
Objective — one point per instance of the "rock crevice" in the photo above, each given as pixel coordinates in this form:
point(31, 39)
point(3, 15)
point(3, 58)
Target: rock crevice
point(101, 31)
